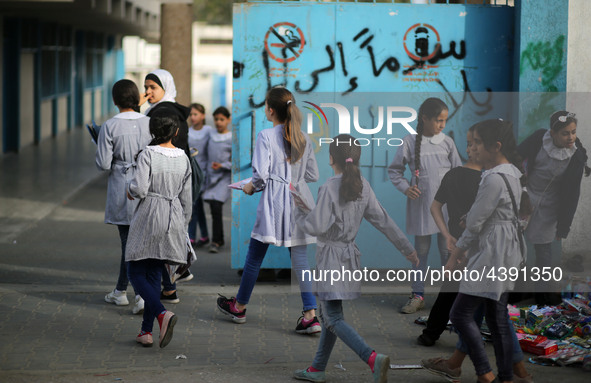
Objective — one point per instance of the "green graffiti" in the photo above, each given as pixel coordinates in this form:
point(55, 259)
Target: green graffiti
point(546, 56)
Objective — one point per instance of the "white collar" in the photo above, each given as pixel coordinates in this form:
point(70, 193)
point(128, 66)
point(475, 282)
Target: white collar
point(436, 139)
point(168, 152)
point(508, 169)
point(217, 137)
point(554, 151)
point(129, 115)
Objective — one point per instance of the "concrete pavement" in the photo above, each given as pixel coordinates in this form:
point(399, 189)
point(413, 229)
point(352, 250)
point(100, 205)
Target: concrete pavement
point(58, 260)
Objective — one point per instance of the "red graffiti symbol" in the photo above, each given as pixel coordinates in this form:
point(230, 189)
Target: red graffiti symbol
point(284, 42)
point(421, 42)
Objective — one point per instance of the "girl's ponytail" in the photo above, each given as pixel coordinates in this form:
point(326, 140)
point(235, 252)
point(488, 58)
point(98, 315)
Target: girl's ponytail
point(283, 103)
point(345, 154)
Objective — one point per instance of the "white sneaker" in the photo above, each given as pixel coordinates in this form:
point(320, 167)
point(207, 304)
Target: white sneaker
point(138, 307)
point(117, 297)
point(414, 304)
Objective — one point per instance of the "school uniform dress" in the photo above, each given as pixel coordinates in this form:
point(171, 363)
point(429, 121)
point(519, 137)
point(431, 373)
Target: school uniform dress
point(163, 184)
point(544, 185)
point(272, 174)
point(438, 155)
point(336, 225)
point(120, 140)
point(199, 139)
point(491, 232)
point(219, 149)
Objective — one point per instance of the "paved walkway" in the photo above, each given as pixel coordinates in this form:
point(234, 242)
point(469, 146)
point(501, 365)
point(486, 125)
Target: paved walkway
point(58, 260)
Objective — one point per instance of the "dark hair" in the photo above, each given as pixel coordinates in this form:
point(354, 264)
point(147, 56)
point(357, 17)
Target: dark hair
point(557, 125)
point(198, 107)
point(430, 108)
point(222, 110)
point(163, 128)
point(126, 94)
point(283, 103)
point(497, 130)
point(345, 154)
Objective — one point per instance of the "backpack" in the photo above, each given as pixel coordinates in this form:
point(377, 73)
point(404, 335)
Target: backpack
point(197, 176)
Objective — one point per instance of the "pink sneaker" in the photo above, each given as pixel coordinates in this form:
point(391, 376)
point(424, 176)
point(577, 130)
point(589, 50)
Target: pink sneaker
point(166, 326)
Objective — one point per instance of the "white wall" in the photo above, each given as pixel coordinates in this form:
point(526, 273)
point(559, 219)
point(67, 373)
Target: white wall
point(578, 86)
point(98, 101)
point(62, 114)
point(46, 118)
point(27, 92)
point(87, 99)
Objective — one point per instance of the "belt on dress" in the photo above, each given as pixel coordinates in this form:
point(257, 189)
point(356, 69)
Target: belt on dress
point(126, 165)
point(170, 200)
point(274, 177)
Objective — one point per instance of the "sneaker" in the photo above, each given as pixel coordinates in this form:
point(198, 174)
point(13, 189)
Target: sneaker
point(527, 379)
point(187, 276)
point(166, 326)
point(414, 304)
point(438, 366)
point(380, 368)
point(201, 242)
point(425, 340)
point(214, 248)
point(311, 327)
point(172, 298)
point(145, 339)
point(138, 307)
point(227, 306)
point(117, 297)
point(318, 376)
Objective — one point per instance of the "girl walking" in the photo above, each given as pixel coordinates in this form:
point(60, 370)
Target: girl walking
point(219, 173)
point(343, 201)
point(429, 155)
point(198, 138)
point(556, 161)
point(491, 231)
point(282, 155)
point(157, 233)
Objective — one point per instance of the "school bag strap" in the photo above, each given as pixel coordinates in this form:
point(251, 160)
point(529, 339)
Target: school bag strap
point(520, 228)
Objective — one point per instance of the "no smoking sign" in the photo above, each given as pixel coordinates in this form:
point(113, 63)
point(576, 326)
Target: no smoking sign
point(284, 42)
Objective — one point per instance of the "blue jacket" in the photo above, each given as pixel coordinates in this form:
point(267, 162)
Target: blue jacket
point(570, 184)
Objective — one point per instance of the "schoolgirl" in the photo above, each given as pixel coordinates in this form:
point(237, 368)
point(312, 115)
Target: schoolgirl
point(158, 230)
point(429, 154)
point(556, 161)
point(198, 139)
point(219, 174)
point(283, 155)
point(492, 235)
point(343, 201)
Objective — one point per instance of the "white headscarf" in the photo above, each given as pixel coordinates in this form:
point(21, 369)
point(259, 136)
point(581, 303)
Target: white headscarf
point(167, 84)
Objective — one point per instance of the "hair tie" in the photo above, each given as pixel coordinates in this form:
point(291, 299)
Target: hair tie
point(565, 116)
point(349, 160)
point(288, 102)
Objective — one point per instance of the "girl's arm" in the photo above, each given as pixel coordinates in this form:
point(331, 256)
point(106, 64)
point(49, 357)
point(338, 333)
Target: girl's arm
point(487, 200)
point(261, 162)
point(437, 213)
point(139, 185)
point(185, 197)
point(312, 174)
point(321, 218)
point(398, 166)
point(376, 215)
point(104, 150)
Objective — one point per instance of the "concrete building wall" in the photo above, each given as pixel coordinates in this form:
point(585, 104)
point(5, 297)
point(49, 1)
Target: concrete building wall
point(46, 118)
point(578, 87)
point(87, 106)
point(98, 102)
point(1, 92)
point(62, 114)
point(27, 98)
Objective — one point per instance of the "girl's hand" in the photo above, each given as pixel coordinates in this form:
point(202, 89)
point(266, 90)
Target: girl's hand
point(457, 259)
point(413, 192)
point(451, 242)
point(129, 197)
point(413, 258)
point(216, 165)
point(143, 98)
point(248, 188)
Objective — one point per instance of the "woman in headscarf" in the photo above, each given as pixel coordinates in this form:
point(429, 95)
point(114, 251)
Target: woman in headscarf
point(160, 94)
